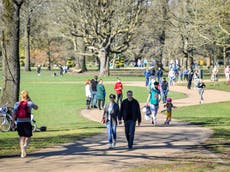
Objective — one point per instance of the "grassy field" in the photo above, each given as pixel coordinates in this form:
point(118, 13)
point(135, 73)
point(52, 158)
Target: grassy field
point(60, 100)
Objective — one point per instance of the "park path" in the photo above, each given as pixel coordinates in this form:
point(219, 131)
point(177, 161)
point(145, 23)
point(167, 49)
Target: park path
point(152, 144)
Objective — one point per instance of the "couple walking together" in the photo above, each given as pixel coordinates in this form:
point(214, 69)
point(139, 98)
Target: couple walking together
point(129, 112)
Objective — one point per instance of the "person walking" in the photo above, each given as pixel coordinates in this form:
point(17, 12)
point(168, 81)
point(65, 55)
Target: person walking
point(100, 94)
point(196, 79)
point(159, 74)
point(214, 76)
point(88, 94)
point(164, 90)
point(130, 113)
point(227, 73)
point(154, 99)
point(147, 75)
point(201, 85)
point(172, 77)
point(22, 112)
point(110, 116)
point(94, 83)
point(168, 110)
point(118, 87)
point(190, 77)
point(39, 70)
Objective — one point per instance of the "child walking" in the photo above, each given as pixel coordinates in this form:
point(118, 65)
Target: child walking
point(88, 93)
point(168, 110)
point(201, 87)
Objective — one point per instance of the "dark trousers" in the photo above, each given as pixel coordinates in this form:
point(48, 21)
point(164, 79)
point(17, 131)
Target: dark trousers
point(189, 84)
point(164, 95)
point(129, 132)
point(101, 103)
point(119, 98)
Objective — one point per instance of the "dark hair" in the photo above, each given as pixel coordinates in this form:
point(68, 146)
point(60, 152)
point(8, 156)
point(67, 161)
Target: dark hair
point(129, 91)
point(156, 83)
point(113, 96)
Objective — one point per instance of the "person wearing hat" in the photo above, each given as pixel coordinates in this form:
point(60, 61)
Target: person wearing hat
point(153, 100)
point(22, 111)
point(110, 116)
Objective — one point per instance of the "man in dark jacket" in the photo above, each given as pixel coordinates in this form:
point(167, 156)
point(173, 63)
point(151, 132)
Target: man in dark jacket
point(130, 112)
point(94, 83)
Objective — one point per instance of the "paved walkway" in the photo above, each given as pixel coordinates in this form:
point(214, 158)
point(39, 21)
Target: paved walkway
point(152, 144)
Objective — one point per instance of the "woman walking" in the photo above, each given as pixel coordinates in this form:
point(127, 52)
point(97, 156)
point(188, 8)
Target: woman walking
point(110, 116)
point(100, 94)
point(22, 111)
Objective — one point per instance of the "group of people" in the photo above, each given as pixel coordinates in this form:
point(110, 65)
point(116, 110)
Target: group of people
point(129, 111)
point(96, 93)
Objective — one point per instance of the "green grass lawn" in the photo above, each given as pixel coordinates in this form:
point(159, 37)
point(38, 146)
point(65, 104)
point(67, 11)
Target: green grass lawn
point(60, 100)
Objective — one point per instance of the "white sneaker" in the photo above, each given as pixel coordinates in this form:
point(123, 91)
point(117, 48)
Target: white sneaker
point(110, 146)
point(23, 153)
point(114, 143)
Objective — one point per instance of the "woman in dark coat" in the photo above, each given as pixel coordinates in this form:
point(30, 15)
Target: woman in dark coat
point(110, 116)
point(100, 94)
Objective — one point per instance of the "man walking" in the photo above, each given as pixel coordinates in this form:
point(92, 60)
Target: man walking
point(153, 100)
point(118, 88)
point(94, 83)
point(130, 112)
point(164, 90)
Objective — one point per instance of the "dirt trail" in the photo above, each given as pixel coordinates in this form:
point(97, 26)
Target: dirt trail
point(160, 143)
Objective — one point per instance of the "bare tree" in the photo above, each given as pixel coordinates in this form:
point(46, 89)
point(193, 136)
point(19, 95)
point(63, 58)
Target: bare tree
point(30, 9)
point(105, 26)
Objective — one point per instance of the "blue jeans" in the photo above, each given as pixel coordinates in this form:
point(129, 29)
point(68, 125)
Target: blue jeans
point(94, 98)
point(154, 110)
point(130, 131)
point(164, 95)
point(111, 131)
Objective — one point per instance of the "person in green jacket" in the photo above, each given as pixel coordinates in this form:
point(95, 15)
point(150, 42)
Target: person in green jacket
point(100, 94)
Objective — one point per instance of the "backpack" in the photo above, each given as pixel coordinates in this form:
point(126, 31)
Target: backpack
point(23, 110)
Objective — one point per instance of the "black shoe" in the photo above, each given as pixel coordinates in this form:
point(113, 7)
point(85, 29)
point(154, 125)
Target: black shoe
point(99, 108)
point(95, 106)
point(130, 147)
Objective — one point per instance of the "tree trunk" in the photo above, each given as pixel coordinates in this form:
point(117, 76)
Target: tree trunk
point(104, 62)
point(75, 53)
point(224, 55)
point(27, 45)
point(10, 52)
point(49, 55)
point(82, 48)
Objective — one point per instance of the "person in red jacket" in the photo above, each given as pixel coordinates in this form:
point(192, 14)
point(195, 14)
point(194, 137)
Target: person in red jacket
point(118, 88)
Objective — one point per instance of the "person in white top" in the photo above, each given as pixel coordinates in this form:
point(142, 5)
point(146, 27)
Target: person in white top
point(227, 73)
point(88, 93)
point(171, 76)
point(214, 76)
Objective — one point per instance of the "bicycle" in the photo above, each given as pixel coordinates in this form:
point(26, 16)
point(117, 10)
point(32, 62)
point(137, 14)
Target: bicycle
point(5, 119)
